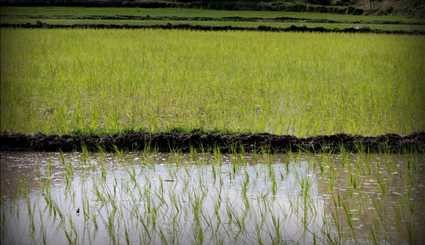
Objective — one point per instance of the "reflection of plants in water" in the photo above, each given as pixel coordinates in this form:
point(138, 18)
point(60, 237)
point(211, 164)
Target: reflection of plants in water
point(304, 198)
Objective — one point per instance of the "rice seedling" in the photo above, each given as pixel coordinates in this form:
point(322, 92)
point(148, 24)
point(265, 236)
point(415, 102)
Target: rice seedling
point(244, 191)
point(30, 212)
point(308, 76)
point(276, 234)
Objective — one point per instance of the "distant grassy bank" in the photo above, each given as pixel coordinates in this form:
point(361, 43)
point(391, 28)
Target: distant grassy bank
point(82, 12)
point(67, 16)
point(355, 7)
point(60, 81)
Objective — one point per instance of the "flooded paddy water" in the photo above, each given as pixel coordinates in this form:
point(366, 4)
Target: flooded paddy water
point(199, 198)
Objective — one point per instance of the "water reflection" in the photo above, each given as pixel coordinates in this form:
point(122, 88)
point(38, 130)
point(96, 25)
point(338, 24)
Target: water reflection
point(212, 199)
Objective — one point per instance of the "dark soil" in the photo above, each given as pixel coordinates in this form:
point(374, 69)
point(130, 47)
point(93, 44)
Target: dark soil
point(208, 141)
point(229, 18)
point(170, 26)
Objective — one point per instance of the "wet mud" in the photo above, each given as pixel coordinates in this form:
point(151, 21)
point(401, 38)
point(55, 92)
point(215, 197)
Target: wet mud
point(210, 141)
point(170, 26)
point(281, 19)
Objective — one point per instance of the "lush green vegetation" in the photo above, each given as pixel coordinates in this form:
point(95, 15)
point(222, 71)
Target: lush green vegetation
point(81, 12)
point(62, 81)
point(142, 16)
point(59, 81)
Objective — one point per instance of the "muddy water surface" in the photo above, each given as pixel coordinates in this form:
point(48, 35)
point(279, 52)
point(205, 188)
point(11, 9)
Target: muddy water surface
point(137, 198)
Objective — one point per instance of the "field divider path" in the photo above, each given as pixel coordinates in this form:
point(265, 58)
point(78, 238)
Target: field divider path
point(170, 26)
point(281, 19)
point(174, 141)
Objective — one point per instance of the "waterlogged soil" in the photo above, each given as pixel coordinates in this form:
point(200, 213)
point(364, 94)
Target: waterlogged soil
point(195, 18)
point(170, 26)
point(199, 141)
point(146, 198)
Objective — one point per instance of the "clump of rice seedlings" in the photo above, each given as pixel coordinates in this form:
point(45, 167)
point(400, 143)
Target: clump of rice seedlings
point(244, 191)
point(42, 228)
point(84, 156)
point(272, 177)
point(305, 186)
point(193, 154)
point(348, 217)
point(69, 171)
point(374, 238)
point(381, 183)
point(30, 212)
point(111, 224)
point(197, 204)
point(275, 235)
point(71, 232)
point(258, 234)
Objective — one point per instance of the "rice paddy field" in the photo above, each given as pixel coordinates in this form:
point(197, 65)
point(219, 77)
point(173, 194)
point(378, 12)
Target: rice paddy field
point(108, 81)
point(84, 12)
point(143, 17)
point(198, 198)
point(112, 81)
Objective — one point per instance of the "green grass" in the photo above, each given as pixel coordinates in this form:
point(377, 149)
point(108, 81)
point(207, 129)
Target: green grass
point(59, 81)
point(128, 16)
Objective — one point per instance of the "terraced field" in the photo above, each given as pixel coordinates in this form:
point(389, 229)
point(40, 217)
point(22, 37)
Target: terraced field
point(229, 127)
point(142, 18)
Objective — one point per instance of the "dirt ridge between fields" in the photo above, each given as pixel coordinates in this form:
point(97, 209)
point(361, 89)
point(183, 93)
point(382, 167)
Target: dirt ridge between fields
point(169, 26)
point(210, 141)
point(281, 19)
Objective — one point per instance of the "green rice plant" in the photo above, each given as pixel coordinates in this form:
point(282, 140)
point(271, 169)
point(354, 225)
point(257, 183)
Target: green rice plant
point(71, 234)
point(94, 221)
point(348, 217)
point(217, 213)
point(294, 78)
point(197, 203)
point(126, 235)
point(245, 186)
point(383, 187)
point(86, 208)
point(272, 177)
point(258, 234)
point(111, 225)
point(306, 202)
point(131, 171)
point(193, 154)
point(373, 235)
point(163, 238)
point(84, 156)
point(69, 171)
point(276, 236)
point(30, 213)
point(336, 219)
point(42, 228)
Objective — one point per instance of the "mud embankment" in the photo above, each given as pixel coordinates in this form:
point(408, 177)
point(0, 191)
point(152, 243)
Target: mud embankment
point(205, 142)
point(281, 19)
point(169, 26)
